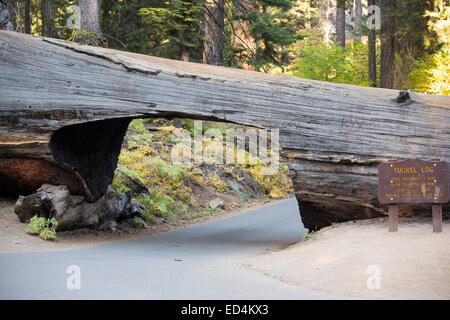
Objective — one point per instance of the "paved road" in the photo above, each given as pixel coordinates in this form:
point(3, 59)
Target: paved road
point(146, 269)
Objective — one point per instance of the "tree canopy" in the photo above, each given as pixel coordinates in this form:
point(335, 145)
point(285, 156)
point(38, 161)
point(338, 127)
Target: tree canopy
point(319, 39)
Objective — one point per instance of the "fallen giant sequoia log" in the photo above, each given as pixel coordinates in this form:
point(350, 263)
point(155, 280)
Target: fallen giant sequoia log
point(64, 109)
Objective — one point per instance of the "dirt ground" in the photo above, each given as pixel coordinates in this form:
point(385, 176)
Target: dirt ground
point(13, 237)
point(347, 258)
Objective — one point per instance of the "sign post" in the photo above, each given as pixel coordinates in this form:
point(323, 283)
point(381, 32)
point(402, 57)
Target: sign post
point(413, 181)
point(393, 217)
point(437, 218)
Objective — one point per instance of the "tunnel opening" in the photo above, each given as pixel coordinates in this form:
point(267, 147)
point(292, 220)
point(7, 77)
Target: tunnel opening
point(153, 166)
point(136, 156)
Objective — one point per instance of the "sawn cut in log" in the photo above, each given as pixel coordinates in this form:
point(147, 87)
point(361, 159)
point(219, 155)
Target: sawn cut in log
point(64, 109)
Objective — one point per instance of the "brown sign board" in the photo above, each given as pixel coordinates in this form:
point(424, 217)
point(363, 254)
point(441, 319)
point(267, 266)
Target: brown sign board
point(413, 181)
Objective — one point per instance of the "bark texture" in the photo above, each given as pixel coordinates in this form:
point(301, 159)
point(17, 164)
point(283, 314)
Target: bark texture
point(357, 23)
point(5, 20)
point(387, 44)
point(214, 24)
point(372, 53)
point(64, 109)
point(327, 20)
point(340, 23)
point(243, 41)
point(27, 16)
point(48, 19)
point(90, 32)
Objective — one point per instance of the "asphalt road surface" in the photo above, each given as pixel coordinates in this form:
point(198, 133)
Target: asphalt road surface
point(199, 262)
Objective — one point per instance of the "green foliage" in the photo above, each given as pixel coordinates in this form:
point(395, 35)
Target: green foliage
point(270, 28)
point(124, 28)
point(214, 180)
point(36, 225)
point(188, 124)
point(199, 215)
point(160, 205)
point(48, 234)
point(431, 74)
point(438, 18)
point(275, 186)
point(147, 157)
point(45, 228)
point(140, 223)
point(244, 198)
point(138, 125)
point(178, 23)
point(173, 173)
point(306, 235)
point(330, 62)
point(119, 185)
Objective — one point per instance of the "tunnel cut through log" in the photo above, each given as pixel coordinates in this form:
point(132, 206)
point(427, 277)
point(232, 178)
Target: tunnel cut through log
point(333, 135)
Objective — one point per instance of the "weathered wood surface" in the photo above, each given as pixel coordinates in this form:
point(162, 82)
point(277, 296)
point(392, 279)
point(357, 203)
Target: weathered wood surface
point(332, 135)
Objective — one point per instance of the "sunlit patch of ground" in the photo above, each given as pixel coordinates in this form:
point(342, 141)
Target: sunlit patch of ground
point(347, 258)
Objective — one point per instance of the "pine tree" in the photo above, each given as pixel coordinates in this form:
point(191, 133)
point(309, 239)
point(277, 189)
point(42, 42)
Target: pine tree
point(178, 24)
point(268, 27)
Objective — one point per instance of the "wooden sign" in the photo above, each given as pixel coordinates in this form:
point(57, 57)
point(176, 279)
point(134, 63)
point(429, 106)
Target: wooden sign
point(413, 181)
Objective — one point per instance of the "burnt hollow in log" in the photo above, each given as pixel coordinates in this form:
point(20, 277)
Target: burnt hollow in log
point(91, 150)
point(22, 176)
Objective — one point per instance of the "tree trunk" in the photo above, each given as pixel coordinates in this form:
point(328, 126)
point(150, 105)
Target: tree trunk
point(184, 52)
point(357, 23)
point(242, 40)
point(387, 44)
point(327, 20)
point(5, 20)
point(307, 15)
point(372, 53)
point(214, 24)
point(48, 19)
point(90, 32)
point(27, 16)
point(340, 23)
point(63, 115)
